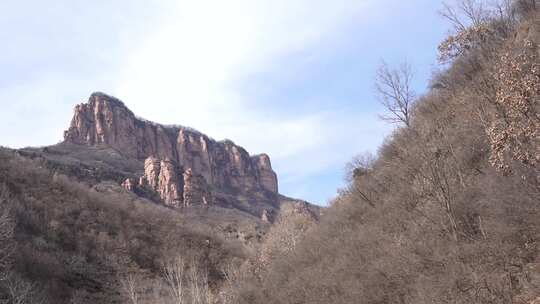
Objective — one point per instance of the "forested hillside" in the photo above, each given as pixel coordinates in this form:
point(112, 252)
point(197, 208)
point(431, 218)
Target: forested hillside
point(448, 211)
point(63, 242)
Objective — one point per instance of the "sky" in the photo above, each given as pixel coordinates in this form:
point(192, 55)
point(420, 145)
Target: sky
point(290, 78)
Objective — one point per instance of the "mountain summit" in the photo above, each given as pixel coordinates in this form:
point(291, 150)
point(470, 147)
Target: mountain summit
point(106, 120)
point(180, 165)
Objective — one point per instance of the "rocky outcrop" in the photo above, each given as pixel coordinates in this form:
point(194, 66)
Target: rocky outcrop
point(265, 216)
point(164, 177)
point(196, 190)
point(152, 171)
point(169, 183)
point(266, 176)
point(176, 187)
point(129, 184)
point(105, 120)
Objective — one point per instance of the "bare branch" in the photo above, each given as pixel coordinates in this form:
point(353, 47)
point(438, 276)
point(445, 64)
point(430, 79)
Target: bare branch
point(450, 13)
point(173, 273)
point(130, 284)
point(359, 165)
point(21, 291)
point(395, 92)
point(7, 245)
point(466, 13)
point(187, 284)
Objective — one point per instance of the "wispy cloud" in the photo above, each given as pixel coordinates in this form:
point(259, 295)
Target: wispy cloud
point(191, 68)
point(194, 61)
point(289, 78)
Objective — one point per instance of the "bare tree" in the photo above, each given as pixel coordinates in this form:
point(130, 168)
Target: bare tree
point(6, 243)
point(466, 13)
point(395, 92)
point(186, 284)
point(233, 277)
point(21, 291)
point(474, 26)
point(6, 234)
point(130, 283)
point(527, 5)
point(173, 273)
point(79, 296)
point(359, 165)
point(18, 290)
point(198, 282)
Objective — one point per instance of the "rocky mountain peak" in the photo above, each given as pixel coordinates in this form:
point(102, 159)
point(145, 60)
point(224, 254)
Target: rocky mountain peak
point(178, 161)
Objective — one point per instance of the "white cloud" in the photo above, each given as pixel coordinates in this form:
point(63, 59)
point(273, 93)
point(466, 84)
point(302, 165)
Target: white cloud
point(190, 64)
point(185, 62)
point(188, 70)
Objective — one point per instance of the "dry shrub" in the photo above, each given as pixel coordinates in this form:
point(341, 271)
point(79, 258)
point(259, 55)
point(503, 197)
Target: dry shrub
point(514, 131)
point(431, 220)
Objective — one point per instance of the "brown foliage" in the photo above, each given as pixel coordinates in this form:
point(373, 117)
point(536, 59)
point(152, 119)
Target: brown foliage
point(77, 244)
point(430, 220)
point(514, 131)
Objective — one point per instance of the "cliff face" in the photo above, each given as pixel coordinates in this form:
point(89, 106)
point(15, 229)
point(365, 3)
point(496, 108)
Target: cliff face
point(172, 154)
point(163, 177)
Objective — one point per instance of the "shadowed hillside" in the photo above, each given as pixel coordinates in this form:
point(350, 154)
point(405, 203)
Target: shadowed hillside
point(73, 243)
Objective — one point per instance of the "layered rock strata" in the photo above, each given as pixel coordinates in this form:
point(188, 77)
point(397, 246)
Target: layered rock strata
point(175, 186)
point(196, 191)
point(172, 154)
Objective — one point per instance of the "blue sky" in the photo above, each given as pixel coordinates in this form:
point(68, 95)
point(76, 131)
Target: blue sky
point(292, 78)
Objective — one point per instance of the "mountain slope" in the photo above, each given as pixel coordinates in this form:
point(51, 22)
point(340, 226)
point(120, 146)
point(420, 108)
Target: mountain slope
point(449, 211)
point(173, 165)
point(73, 242)
point(119, 199)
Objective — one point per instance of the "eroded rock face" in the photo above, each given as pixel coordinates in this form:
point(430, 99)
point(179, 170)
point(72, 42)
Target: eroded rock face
point(129, 184)
point(105, 120)
point(169, 183)
point(267, 176)
point(152, 171)
point(196, 190)
point(176, 187)
point(164, 177)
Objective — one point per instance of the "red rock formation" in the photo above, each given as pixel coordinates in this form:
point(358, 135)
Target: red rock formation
point(129, 184)
point(170, 185)
point(163, 176)
point(196, 190)
point(266, 176)
point(193, 152)
point(105, 120)
point(175, 187)
point(152, 170)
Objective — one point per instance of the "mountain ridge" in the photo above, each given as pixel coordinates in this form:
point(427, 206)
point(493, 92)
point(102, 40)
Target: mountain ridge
point(193, 171)
point(214, 166)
